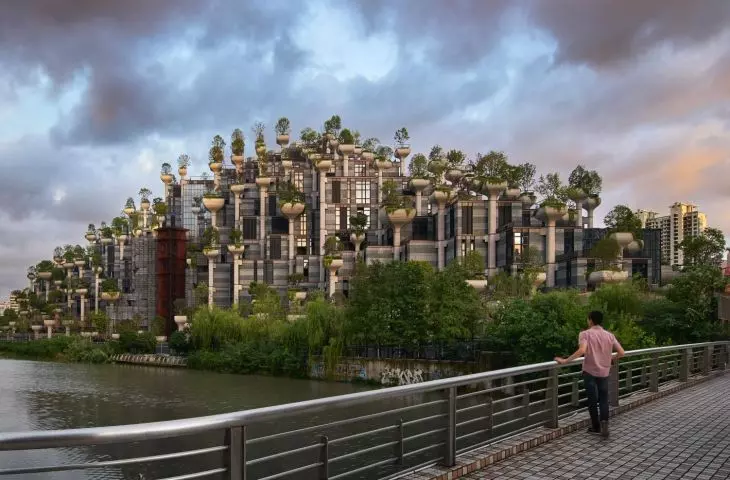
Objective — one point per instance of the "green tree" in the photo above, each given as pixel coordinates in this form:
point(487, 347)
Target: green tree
point(622, 219)
point(705, 249)
point(453, 307)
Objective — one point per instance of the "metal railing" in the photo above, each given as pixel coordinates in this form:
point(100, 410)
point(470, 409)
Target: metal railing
point(373, 434)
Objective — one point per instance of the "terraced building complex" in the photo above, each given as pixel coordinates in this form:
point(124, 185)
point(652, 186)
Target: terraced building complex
point(297, 216)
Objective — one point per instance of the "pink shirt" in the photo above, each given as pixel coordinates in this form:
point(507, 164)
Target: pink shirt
point(600, 344)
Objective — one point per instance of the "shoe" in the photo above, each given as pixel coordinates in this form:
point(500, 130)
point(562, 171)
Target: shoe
point(604, 429)
point(593, 431)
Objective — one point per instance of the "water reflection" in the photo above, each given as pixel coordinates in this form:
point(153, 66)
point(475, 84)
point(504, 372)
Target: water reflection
point(46, 396)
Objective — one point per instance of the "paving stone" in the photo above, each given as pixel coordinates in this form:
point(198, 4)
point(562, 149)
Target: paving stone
point(684, 435)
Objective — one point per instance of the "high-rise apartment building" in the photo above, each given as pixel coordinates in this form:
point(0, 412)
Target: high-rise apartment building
point(684, 220)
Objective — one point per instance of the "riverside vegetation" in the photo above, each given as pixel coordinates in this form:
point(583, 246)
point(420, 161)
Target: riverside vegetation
point(408, 304)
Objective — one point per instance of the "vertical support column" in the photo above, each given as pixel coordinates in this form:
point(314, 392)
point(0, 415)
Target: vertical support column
point(654, 373)
point(47, 283)
point(83, 301)
point(262, 220)
point(396, 242)
point(575, 393)
point(236, 283)
point(236, 210)
point(579, 216)
point(707, 360)
point(613, 384)
point(552, 397)
point(590, 217)
point(235, 461)
point(440, 236)
point(684, 364)
point(399, 452)
point(450, 457)
point(550, 253)
point(290, 241)
point(492, 235)
point(419, 195)
point(211, 269)
point(96, 293)
point(322, 216)
point(725, 356)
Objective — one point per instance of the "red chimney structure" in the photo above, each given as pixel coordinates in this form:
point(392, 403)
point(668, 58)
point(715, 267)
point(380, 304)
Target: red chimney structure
point(170, 276)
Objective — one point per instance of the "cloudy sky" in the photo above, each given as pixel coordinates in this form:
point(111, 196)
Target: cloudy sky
point(94, 97)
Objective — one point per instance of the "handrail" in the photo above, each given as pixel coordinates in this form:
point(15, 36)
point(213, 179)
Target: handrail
point(236, 420)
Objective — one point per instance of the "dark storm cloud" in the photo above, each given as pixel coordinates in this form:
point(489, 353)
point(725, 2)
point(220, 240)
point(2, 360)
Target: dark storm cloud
point(607, 32)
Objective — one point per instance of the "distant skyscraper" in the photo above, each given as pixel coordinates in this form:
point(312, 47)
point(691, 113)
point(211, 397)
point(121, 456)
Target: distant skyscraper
point(684, 220)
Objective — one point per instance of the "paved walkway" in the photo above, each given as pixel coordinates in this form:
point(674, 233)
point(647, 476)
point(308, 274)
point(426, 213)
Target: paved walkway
point(685, 435)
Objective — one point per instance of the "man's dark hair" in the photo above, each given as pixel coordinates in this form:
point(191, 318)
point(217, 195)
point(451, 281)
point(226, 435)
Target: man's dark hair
point(596, 317)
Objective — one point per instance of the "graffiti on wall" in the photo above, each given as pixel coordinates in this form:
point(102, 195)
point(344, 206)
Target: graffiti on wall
point(396, 376)
point(343, 371)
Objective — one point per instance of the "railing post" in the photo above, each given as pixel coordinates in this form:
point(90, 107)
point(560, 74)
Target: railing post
point(235, 461)
point(613, 384)
point(707, 362)
point(726, 356)
point(324, 458)
point(526, 403)
point(450, 458)
point(399, 450)
point(575, 393)
point(489, 406)
point(644, 374)
point(654, 373)
point(684, 364)
point(552, 397)
point(629, 378)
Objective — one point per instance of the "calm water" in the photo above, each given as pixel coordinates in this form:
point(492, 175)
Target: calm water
point(46, 396)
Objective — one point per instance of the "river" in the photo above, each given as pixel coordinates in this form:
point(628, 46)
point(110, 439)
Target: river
point(48, 396)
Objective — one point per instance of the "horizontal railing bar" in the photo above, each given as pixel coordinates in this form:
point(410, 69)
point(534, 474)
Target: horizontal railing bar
point(424, 419)
point(424, 449)
point(191, 476)
point(337, 423)
point(112, 463)
point(274, 456)
point(363, 468)
point(507, 410)
point(354, 436)
point(364, 450)
point(292, 471)
point(470, 408)
point(470, 421)
point(192, 426)
point(424, 434)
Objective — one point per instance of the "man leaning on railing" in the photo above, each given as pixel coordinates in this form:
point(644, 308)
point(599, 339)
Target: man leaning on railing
point(596, 345)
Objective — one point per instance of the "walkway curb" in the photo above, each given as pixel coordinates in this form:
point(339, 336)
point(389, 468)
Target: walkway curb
point(484, 456)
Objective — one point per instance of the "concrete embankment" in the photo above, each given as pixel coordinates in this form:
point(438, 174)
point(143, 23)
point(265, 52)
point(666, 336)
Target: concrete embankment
point(150, 359)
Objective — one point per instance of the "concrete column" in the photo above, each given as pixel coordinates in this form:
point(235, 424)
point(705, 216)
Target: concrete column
point(291, 246)
point(418, 202)
point(440, 235)
point(579, 216)
point(213, 222)
point(96, 293)
point(590, 217)
point(493, 192)
point(49, 332)
point(262, 219)
point(331, 288)
point(83, 302)
point(68, 331)
point(322, 215)
point(237, 211)
point(550, 253)
point(236, 282)
point(211, 270)
point(47, 283)
point(396, 242)
point(345, 166)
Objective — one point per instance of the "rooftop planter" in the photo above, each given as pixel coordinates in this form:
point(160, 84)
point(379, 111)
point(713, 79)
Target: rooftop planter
point(383, 158)
point(238, 145)
point(216, 154)
point(145, 194)
point(283, 129)
point(332, 129)
point(291, 200)
point(358, 224)
point(368, 149)
point(420, 175)
point(166, 174)
point(213, 201)
point(455, 165)
point(332, 253)
point(129, 207)
point(90, 233)
point(183, 162)
point(211, 242)
point(235, 242)
point(346, 142)
point(554, 196)
point(402, 148)
point(258, 131)
point(110, 290)
point(607, 254)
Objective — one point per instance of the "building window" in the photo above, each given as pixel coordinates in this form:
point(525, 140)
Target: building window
point(362, 192)
point(336, 191)
point(249, 229)
point(463, 247)
point(519, 241)
point(342, 219)
point(299, 180)
point(303, 224)
point(360, 169)
point(467, 220)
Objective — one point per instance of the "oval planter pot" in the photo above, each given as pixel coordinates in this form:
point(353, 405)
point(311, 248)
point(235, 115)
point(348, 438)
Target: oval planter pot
point(478, 285)
point(292, 210)
point(213, 203)
point(401, 216)
point(110, 296)
point(607, 276)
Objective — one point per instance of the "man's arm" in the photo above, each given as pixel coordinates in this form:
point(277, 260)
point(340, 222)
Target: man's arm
point(619, 349)
point(582, 347)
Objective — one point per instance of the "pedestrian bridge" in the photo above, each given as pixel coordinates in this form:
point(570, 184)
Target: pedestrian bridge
point(670, 421)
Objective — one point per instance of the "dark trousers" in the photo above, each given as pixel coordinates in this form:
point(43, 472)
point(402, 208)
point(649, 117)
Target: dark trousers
point(597, 393)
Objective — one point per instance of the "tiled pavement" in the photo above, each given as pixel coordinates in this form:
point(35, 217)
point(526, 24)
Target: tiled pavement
point(685, 435)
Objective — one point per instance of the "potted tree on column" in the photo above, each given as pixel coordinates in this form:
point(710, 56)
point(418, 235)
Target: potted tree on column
point(283, 129)
point(291, 203)
point(346, 148)
point(419, 179)
point(399, 210)
point(402, 148)
point(211, 249)
point(332, 260)
point(166, 176)
point(44, 271)
point(144, 205)
point(183, 162)
point(160, 209)
point(238, 145)
point(90, 233)
point(552, 208)
point(358, 226)
point(455, 166)
point(526, 183)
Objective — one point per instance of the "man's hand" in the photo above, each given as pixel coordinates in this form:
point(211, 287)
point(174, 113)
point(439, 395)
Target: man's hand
point(560, 360)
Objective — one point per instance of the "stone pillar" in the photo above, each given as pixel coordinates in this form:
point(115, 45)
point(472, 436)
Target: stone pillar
point(236, 282)
point(290, 241)
point(83, 302)
point(96, 292)
point(494, 190)
point(551, 216)
point(263, 190)
point(396, 242)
